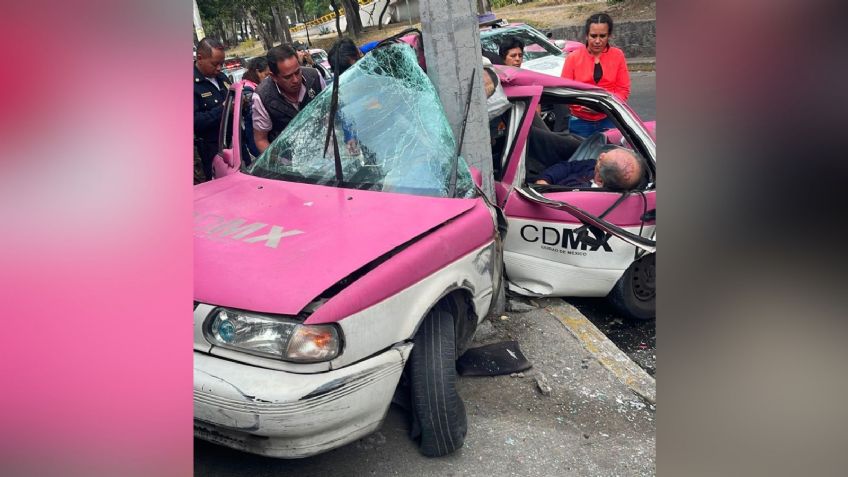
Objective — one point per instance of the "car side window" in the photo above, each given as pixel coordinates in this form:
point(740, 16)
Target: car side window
point(225, 138)
point(554, 139)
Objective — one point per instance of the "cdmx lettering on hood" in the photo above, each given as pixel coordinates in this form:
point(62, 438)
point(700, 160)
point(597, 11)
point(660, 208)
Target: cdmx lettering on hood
point(217, 227)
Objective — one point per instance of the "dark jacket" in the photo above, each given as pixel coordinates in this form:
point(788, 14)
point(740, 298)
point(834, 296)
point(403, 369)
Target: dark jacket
point(571, 174)
point(208, 105)
point(280, 110)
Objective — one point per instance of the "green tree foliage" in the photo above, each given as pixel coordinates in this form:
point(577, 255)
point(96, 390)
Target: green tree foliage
point(222, 18)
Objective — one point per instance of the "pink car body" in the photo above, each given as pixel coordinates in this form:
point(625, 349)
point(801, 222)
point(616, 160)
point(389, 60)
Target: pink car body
point(543, 253)
point(370, 264)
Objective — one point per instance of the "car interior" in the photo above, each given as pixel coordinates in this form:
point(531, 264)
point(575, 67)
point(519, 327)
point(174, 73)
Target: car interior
point(549, 141)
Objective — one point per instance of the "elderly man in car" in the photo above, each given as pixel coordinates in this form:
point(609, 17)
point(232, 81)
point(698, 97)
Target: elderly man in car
point(615, 169)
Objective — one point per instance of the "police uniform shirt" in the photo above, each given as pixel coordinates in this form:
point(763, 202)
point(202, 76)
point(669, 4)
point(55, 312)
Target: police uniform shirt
point(208, 97)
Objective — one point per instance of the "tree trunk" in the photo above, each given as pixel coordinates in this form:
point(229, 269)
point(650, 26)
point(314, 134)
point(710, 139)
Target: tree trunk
point(354, 23)
point(354, 6)
point(382, 13)
point(483, 6)
point(336, 12)
point(285, 23)
point(305, 27)
point(267, 40)
point(278, 25)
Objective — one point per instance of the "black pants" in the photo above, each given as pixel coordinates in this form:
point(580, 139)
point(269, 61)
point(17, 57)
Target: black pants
point(206, 150)
point(546, 148)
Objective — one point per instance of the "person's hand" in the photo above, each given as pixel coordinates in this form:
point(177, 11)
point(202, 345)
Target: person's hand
point(542, 182)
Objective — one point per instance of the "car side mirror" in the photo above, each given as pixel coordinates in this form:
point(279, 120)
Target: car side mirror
point(476, 176)
point(549, 34)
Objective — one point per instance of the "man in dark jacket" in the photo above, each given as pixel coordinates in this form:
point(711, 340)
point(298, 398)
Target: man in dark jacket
point(210, 91)
point(280, 96)
point(615, 169)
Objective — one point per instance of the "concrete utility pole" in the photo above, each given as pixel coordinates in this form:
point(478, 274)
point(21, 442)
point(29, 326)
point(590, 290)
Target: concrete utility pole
point(452, 50)
point(198, 26)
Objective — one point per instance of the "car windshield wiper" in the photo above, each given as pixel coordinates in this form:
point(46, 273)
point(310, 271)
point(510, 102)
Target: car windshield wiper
point(331, 125)
point(461, 135)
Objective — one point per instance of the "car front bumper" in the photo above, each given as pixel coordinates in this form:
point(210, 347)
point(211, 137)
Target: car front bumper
point(283, 414)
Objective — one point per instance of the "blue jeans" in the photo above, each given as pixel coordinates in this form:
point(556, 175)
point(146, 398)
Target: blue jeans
point(584, 128)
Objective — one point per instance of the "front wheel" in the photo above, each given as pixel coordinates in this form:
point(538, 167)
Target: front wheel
point(438, 411)
point(635, 293)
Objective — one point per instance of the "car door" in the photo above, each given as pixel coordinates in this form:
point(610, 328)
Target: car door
point(571, 241)
point(230, 140)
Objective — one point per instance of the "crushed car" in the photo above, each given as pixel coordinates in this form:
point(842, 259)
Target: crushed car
point(339, 269)
point(574, 241)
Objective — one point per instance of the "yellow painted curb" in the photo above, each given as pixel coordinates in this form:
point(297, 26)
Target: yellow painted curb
point(604, 350)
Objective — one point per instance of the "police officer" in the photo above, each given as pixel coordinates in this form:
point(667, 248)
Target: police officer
point(280, 96)
point(210, 90)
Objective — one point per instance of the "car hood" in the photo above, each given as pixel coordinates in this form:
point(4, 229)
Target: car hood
point(549, 65)
point(273, 246)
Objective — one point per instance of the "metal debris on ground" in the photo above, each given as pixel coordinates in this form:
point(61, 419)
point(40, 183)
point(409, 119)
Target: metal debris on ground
point(494, 359)
point(518, 306)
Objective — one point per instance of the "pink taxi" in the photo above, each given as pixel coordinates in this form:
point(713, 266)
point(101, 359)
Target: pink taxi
point(327, 278)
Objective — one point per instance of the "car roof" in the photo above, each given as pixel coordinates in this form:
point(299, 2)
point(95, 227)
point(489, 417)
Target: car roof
point(512, 76)
point(507, 28)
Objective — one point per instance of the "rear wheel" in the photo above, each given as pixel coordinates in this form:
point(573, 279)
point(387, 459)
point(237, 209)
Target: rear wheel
point(438, 411)
point(635, 293)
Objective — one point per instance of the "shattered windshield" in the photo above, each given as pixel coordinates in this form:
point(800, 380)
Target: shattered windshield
point(392, 131)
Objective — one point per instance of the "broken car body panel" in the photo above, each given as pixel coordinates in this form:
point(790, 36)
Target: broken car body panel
point(371, 253)
point(549, 251)
point(239, 406)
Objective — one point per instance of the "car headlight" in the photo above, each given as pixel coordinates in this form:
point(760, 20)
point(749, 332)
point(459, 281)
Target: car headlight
point(273, 337)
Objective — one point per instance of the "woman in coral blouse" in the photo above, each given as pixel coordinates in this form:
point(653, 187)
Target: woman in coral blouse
point(598, 64)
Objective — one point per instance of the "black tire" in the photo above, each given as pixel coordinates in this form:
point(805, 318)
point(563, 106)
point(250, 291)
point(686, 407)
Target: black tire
point(635, 293)
point(438, 411)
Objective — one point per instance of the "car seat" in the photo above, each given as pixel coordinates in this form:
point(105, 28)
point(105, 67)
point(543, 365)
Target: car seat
point(591, 147)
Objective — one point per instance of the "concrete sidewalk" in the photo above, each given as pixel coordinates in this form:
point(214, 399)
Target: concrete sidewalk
point(585, 423)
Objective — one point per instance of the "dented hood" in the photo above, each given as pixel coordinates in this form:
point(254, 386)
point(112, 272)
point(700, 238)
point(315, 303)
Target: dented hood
point(273, 246)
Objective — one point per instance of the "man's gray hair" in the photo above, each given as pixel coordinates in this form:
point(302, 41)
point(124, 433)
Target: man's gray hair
point(615, 177)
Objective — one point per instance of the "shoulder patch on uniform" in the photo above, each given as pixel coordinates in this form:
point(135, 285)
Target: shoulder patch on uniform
point(206, 94)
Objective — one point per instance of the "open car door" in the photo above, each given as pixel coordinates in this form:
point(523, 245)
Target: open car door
point(578, 241)
point(230, 141)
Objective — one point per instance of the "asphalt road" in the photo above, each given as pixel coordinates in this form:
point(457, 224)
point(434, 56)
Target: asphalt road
point(643, 94)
